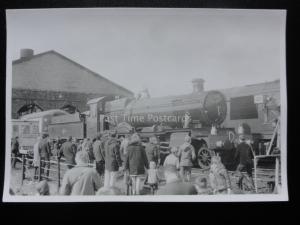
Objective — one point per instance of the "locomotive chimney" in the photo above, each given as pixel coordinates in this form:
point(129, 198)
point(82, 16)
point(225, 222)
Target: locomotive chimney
point(198, 85)
point(26, 53)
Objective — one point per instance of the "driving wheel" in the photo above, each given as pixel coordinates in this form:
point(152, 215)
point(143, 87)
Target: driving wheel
point(204, 157)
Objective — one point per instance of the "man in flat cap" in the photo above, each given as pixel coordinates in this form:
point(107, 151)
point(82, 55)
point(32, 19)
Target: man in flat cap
point(69, 151)
point(98, 155)
point(244, 156)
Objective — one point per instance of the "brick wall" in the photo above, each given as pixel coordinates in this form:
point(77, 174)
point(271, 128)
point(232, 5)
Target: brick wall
point(49, 99)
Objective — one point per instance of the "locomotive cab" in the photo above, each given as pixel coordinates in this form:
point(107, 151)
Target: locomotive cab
point(96, 121)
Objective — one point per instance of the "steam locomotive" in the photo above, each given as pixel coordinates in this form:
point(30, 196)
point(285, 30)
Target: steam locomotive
point(169, 118)
point(209, 117)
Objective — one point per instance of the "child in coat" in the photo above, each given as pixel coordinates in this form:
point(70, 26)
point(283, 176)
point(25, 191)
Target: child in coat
point(152, 178)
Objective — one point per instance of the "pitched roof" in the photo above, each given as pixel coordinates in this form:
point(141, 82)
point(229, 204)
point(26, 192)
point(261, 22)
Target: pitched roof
point(21, 60)
point(258, 88)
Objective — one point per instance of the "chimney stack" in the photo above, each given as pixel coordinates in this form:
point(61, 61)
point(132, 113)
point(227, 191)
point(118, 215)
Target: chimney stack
point(26, 53)
point(198, 85)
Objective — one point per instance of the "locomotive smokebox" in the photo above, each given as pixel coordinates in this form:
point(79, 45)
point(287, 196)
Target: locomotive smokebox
point(198, 85)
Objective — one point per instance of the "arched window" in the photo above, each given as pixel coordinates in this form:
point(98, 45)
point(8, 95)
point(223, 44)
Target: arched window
point(70, 108)
point(29, 108)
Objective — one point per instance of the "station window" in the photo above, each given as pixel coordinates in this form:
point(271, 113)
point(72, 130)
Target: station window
point(243, 108)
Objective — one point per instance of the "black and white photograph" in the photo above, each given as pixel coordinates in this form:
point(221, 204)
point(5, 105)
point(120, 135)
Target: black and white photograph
point(146, 104)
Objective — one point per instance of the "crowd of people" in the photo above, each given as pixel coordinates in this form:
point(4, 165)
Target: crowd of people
point(136, 161)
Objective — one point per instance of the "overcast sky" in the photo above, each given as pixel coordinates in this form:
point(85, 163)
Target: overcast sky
point(162, 50)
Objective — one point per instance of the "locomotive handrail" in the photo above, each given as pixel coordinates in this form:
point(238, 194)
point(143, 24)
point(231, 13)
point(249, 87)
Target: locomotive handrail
point(233, 136)
point(163, 147)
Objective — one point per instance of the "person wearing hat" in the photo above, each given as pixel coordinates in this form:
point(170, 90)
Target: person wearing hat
point(81, 179)
point(174, 185)
point(87, 145)
point(172, 158)
point(98, 155)
point(135, 162)
point(45, 152)
point(112, 159)
point(187, 155)
point(69, 151)
point(244, 156)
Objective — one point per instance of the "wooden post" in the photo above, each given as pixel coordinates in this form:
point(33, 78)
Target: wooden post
point(58, 173)
point(40, 170)
point(276, 173)
point(23, 168)
point(255, 174)
point(273, 137)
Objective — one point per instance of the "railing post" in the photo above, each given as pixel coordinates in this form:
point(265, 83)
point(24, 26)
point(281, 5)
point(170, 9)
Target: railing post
point(40, 170)
point(276, 173)
point(23, 168)
point(58, 173)
point(255, 174)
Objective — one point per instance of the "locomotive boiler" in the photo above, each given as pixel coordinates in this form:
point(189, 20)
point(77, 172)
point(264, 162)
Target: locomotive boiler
point(203, 109)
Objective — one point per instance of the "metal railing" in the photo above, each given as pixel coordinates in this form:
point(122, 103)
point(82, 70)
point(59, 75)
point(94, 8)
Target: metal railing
point(52, 169)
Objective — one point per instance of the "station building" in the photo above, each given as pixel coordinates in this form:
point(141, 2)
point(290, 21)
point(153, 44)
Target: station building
point(50, 80)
